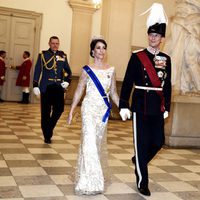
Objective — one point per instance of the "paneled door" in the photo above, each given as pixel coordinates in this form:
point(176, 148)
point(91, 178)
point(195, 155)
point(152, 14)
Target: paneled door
point(18, 33)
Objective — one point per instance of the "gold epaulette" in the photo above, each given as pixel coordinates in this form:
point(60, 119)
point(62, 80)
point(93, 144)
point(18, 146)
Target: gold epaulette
point(63, 54)
point(138, 50)
point(42, 52)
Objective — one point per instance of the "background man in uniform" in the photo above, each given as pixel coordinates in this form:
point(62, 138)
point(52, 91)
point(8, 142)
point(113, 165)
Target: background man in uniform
point(150, 71)
point(23, 79)
point(2, 70)
point(51, 77)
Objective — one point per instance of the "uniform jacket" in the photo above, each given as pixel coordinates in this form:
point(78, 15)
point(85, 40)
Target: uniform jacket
point(143, 101)
point(2, 70)
point(24, 71)
point(51, 68)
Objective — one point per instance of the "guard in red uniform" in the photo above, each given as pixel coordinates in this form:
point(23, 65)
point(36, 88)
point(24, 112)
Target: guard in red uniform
point(2, 70)
point(23, 78)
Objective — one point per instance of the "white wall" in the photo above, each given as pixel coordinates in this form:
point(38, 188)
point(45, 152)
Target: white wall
point(57, 19)
point(96, 24)
point(139, 22)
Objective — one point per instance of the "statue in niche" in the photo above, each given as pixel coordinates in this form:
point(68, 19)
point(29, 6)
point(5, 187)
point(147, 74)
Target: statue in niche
point(184, 48)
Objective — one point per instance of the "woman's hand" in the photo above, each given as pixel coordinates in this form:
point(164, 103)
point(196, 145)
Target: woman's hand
point(69, 118)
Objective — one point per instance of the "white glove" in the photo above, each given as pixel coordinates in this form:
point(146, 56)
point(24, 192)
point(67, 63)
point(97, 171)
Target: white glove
point(64, 84)
point(165, 114)
point(36, 91)
point(125, 113)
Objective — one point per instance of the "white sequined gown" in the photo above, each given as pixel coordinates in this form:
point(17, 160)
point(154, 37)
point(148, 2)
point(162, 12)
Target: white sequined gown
point(92, 153)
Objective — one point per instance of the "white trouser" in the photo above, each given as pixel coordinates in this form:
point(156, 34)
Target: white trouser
point(25, 89)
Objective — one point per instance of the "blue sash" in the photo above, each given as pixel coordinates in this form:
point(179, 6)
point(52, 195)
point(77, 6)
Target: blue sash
point(100, 89)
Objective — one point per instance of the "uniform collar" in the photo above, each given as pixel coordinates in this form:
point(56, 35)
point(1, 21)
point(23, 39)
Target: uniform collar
point(2, 58)
point(26, 59)
point(53, 51)
point(152, 50)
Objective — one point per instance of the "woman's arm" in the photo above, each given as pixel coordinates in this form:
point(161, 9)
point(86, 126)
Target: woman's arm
point(113, 90)
point(77, 95)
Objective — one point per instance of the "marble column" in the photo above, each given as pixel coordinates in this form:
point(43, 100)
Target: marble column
point(116, 28)
point(83, 11)
point(182, 128)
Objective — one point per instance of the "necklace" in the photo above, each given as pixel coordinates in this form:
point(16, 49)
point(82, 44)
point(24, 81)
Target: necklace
point(100, 65)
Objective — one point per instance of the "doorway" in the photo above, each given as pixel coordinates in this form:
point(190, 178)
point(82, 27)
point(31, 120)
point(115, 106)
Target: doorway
point(20, 31)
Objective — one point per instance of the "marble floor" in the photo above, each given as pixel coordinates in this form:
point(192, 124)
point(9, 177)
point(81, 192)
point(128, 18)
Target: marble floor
point(32, 170)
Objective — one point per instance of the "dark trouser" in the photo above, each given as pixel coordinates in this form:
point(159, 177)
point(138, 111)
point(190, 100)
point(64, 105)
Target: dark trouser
point(25, 98)
point(52, 107)
point(148, 138)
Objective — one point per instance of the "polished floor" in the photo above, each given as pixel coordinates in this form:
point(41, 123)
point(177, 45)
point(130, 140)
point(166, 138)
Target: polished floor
point(32, 170)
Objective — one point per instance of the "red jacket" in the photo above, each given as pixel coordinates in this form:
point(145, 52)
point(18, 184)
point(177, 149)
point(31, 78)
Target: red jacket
point(2, 70)
point(24, 71)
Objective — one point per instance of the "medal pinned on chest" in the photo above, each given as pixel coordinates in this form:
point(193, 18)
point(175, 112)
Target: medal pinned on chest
point(160, 62)
point(60, 58)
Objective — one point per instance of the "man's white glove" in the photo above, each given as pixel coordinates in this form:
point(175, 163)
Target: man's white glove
point(125, 113)
point(65, 84)
point(36, 91)
point(165, 114)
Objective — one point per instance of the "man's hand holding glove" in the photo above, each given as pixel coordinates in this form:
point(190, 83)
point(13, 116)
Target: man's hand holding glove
point(125, 113)
point(165, 114)
point(65, 84)
point(36, 91)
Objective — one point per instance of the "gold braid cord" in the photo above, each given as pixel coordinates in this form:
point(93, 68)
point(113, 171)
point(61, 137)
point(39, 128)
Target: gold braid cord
point(47, 62)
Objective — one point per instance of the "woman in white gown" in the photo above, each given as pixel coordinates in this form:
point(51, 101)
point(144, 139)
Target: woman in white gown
point(89, 178)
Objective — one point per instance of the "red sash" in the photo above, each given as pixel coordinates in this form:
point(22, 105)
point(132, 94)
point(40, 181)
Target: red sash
point(152, 75)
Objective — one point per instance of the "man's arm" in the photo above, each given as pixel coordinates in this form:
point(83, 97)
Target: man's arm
point(37, 72)
point(67, 71)
point(167, 86)
point(127, 84)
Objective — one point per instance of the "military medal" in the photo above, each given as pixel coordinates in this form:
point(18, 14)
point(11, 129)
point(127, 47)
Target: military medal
point(160, 62)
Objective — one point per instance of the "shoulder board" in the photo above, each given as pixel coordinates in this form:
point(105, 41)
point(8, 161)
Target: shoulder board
point(62, 53)
point(43, 52)
point(165, 54)
point(138, 50)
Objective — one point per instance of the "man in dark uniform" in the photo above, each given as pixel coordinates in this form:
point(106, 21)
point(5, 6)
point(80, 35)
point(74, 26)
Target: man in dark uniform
point(149, 71)
point(51, 78)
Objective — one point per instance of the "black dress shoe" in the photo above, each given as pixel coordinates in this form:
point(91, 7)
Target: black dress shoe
point(47, 141)
point(145, 191)
point(133, 159)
